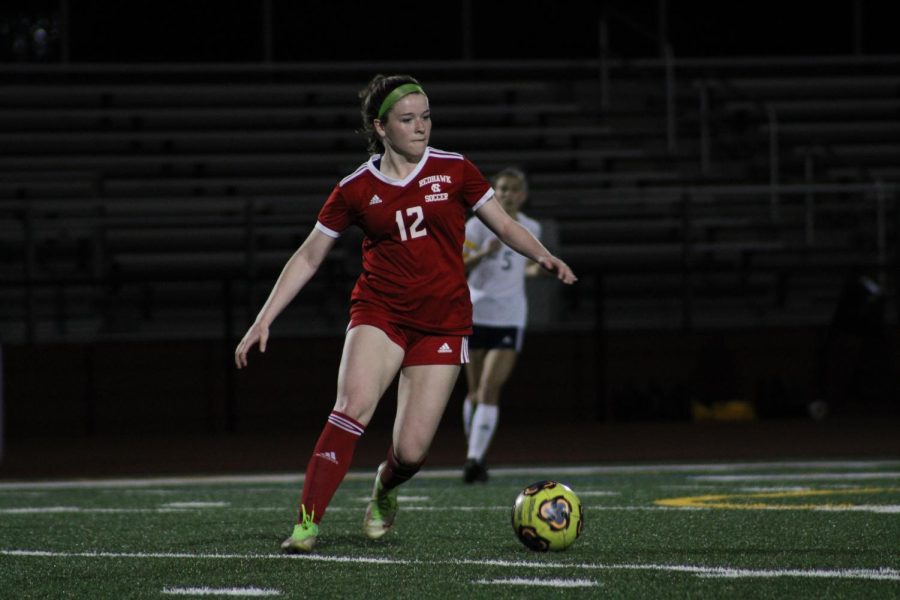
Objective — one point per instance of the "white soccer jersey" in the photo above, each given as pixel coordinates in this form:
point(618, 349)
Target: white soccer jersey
point(497, 283)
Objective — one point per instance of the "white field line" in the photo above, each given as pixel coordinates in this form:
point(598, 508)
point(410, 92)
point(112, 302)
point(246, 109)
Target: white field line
point(536, 471)
point(509, 508)
point(400, 498)
point(534, 582)
point(50, 510)
point(195, 556)
point(799, 476)
point(887, 509)
point(151, 482)
point(251, 592)
point(880, 573)
point(760, 489)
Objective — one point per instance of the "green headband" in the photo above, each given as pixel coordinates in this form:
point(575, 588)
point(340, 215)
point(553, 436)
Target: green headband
point(396, 94)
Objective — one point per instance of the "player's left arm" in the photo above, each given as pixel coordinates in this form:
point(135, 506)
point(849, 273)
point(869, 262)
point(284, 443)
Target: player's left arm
point(533, 269)
point(521, 240)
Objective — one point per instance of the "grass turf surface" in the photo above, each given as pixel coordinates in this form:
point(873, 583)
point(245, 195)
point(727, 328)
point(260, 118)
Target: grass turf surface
point(750, 530)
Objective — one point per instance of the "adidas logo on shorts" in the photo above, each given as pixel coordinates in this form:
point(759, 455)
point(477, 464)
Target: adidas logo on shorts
point(445, 349)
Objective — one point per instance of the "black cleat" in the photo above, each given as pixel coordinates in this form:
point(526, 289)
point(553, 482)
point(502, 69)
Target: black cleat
point(474, 471)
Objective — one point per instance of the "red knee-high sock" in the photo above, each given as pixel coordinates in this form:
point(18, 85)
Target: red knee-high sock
point(329, 463)
point(396, 472)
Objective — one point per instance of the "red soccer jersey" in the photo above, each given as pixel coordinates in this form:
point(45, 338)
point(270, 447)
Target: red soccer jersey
point(414, 231)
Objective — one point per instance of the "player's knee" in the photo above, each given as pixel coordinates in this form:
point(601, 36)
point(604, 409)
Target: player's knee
point(411, 450)
point(355, 409)
point(490, 394)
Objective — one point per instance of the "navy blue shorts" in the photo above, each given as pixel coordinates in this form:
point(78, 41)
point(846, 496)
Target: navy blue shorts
point(485, 337)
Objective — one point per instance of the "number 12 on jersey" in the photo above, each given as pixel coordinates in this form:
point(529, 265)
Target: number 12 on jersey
point(416, 229)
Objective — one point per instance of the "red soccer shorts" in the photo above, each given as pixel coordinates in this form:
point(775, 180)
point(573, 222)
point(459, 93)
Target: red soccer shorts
point(421, 348)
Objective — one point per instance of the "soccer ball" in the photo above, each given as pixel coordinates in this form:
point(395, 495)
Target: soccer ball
point(547, 515)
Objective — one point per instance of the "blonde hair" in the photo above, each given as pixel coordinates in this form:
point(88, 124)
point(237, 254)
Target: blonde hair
point(513, 173)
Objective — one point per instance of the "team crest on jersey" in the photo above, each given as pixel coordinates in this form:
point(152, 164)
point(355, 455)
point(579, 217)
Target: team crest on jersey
point(435, 179)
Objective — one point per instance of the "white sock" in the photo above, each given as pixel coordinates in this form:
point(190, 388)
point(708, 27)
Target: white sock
point(467, 416)
point(484, 424)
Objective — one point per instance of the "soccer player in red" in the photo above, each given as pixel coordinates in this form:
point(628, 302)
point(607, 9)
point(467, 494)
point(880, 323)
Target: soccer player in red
point(410, 311)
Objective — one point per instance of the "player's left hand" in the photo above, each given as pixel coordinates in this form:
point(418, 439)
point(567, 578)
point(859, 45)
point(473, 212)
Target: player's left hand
point(258, 334)
point(559, 268)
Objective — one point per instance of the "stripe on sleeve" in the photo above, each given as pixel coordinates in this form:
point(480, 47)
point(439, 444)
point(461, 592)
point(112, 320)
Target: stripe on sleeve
point(487, 196)
point(445, 154)
point(360, 170)
point(329, 232)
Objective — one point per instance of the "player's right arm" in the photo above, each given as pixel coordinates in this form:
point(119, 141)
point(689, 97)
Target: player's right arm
point(298, 270)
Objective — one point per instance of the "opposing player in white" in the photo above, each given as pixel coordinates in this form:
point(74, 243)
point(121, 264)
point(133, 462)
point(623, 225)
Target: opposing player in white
point(496, 276)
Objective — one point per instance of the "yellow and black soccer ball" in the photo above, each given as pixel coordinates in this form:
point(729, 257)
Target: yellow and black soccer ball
point(547, 515)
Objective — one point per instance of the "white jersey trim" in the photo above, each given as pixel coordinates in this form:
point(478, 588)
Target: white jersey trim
point(444, 154)
point(359, 171)
point(398, 182)
point(369, 166)
point(487, 196)
point(327, 231)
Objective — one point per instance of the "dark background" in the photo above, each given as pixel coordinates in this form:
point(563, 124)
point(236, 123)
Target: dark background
point(59, 395)
point(316, 30)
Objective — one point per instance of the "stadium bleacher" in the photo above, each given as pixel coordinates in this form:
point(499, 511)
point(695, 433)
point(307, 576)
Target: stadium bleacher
point(145, 196)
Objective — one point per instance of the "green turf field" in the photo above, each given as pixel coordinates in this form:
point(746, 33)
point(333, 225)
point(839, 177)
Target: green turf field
point(750, 530)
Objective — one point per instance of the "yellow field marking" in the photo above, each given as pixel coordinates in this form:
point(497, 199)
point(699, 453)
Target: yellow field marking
point(726, 501)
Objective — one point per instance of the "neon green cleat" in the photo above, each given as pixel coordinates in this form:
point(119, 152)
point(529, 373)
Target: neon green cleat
point(382, 509)
point(303, 538)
